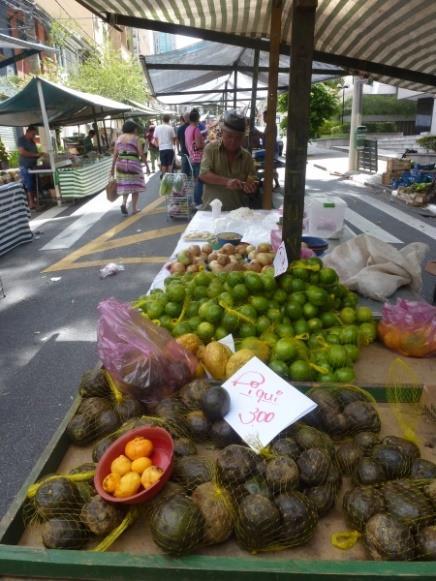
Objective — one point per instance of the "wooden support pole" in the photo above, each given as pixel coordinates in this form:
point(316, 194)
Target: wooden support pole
point(235, 87)
point(300, 73)
point(254, 96)
point(270, 132)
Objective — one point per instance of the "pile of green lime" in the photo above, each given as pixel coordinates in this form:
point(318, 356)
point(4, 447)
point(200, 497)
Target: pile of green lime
point(312, 323)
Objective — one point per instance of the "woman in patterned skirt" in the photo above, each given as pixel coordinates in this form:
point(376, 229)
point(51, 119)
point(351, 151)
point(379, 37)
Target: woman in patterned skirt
point(128, 153)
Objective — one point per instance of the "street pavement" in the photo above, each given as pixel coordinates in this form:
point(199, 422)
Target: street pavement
point(48, 318)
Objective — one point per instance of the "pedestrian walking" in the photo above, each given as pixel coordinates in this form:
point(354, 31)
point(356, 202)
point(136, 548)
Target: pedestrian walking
point(195, 144)
point(181, 145)
point(29, 156)
point(128, 153)
point(152, 147)
point(165, 139)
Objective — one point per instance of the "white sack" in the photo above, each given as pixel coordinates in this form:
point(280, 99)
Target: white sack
point(376, 269)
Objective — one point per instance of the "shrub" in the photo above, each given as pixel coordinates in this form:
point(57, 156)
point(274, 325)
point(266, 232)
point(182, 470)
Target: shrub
point(428, 142)
point(14, 157)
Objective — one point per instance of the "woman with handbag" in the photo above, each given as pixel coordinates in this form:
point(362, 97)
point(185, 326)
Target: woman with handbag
point(128, 153)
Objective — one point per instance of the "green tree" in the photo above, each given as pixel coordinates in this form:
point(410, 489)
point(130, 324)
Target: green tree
point(324, 103)
point(110, 75)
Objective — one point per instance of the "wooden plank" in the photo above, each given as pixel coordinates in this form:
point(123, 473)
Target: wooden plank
point(303, 27)
point(253, 98)
point(274, 59)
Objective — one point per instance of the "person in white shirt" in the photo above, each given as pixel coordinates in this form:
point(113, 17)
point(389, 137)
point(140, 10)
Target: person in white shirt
point(165, 139)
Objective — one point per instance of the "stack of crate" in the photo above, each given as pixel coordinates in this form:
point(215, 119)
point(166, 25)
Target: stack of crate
point(394, 169)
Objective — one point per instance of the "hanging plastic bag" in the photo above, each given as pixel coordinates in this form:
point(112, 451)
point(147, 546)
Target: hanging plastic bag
point(150, 364)
point(409, 328)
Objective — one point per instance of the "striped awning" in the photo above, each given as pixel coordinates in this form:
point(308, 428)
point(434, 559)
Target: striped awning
point(393, 41)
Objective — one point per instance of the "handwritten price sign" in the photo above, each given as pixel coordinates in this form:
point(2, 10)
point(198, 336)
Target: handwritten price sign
point(281, 260)
point(263, 404)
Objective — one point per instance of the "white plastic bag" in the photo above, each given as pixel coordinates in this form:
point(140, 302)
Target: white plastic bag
point(376, 269)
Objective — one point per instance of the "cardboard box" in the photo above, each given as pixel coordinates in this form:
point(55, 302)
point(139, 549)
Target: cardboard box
point(398, 165)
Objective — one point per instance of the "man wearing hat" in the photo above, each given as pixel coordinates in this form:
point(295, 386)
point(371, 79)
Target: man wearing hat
point(227, 169)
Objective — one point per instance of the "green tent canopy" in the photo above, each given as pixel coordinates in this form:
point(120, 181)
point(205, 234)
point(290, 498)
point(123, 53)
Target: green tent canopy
point(64, 106)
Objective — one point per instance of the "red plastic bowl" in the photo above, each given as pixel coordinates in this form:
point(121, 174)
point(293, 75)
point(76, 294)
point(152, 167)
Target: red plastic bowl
point(162, 456)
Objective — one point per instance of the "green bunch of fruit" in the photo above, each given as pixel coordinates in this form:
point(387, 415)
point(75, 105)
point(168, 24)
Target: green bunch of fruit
point(310, 322)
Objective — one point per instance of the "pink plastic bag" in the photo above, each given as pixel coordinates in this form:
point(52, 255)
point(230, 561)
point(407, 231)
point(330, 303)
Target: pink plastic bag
point(409, 327)
point(145, 358)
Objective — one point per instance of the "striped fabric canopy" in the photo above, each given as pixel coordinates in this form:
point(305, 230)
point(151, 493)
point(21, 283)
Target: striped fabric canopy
point(362, 35)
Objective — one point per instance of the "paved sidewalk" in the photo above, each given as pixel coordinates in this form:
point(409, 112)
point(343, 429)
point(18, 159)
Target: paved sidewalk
point(338, 165)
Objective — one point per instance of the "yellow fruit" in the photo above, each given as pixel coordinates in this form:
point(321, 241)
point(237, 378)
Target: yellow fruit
point(121, 465)
point(111, 482)
point(190, 341)
point(237, 360)
point(138, 447)
point(128, 486)
point(150, 476)
point(140, 464)
point(214, 358)
point(199, 371)
point(258, 347)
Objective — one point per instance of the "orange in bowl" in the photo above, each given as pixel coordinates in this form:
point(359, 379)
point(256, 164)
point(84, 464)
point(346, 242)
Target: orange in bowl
point(161, 458)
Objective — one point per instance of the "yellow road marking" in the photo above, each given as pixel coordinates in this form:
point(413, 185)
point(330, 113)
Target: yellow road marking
point(104, 242)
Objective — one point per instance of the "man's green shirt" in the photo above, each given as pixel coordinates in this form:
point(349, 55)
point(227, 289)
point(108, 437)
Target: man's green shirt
point(215, 160)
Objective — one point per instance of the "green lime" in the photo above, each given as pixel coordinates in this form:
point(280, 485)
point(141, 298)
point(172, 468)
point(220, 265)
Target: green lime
point(280, 296)
point(220, 333)
point(327, 276)
point(274, 314)
point(332, 338)
point(155, 309)
point(248, 311)
point(327, 377)
point(230, 322)
point(285, 349)
point(328, 320)
point(314, 278)
point(211, 313)
point(350, 299)
point(316, 340)
point(173, 309)
point(199, 292)
point(261, 304)
point(300, 327)
point(349, 334)
point(297, 285)
point(192, 309)
point(181, 329)
point(176, 293)
point(345, 375)
point(316, 295)
point(226, 299)
point(298, 297)
point(352, 352)
point(166, 322)
point(194, 322)
point(315, 263)
point(285, 282)
point(301, 273)
point(319, 356)
point(300, 370)
point(285, 330)
point(205, 331)
point(294, 311)
point(234, 278)
point(253, 282)
point(367, 333)
point(279, 367)
point(303, 351)
point(337, 356)
point(348, 315)
point(203, 278)
point(247, 330)
point(363, 315)
point(270, 338)
point(239, 292)
point(314, 325)
point(269, 282)
point(310, 311)
point(262, 324)
point(214, 289)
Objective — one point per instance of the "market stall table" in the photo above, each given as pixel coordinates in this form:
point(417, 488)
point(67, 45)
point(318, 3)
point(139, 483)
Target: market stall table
point(87, 179)
point(14, 217)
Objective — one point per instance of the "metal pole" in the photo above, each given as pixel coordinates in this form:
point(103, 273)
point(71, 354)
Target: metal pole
point(356, 120)
point(235, 87)
point(300, 77)
point(343, 105)
point(253, 96)
point(49, 143)
point(274, 59)
point(225, 95)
